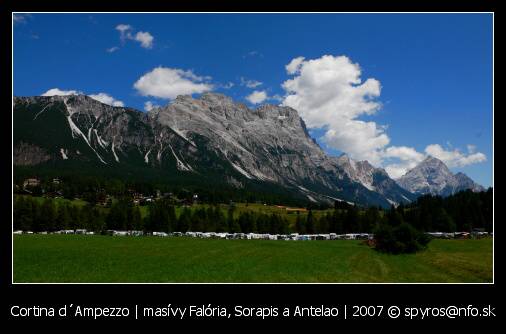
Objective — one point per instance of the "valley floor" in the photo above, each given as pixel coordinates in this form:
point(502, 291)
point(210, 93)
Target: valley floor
point(74, 258)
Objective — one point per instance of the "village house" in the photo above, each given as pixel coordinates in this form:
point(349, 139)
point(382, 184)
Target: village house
point(31, 182)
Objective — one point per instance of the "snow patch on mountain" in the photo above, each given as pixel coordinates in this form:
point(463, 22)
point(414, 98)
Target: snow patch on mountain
point(40, 112)
point(114, 152)
point(311, 198)
point(78, 132)
point(240, 170)
point(101, 142)
point(180, 165)
point(182, 135)
point(394, 203)
point(146, 156)
point(63, 154)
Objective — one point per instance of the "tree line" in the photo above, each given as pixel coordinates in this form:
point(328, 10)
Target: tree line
point(460, 212)
point(463, 211)
point(31, 214)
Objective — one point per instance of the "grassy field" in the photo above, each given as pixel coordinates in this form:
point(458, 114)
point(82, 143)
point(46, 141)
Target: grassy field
point(59, 201)
point(73, 258)
point(252, 207)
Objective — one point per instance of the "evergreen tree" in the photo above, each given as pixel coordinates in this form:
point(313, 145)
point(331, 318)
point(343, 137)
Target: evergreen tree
point(443, 221)
point(247, 222)
point(63, 217)
point(262, 223)
point(370, 219)
point(336, 225)
point(23, 218)
point(221, 222)
point(275, 224)
point(98, 223)
point(210, 222)
point(394, 217)
point(117, 219)
point(310, 222)
point(35, 215)
point(299, 224)
point(171, 218)
point(351, 220)
point(230, 218)
point(136, 219)
point(184, 220)
point(88, 217)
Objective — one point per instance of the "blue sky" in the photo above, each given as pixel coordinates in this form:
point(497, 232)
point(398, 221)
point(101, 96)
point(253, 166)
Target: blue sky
point(434, 73)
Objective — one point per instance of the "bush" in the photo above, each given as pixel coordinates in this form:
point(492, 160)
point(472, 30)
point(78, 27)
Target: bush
point(400, 239)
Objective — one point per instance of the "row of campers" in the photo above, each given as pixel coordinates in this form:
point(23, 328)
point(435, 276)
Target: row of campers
point(78, 231)
point(259, 236)
point(475, 234)
point(215, 235)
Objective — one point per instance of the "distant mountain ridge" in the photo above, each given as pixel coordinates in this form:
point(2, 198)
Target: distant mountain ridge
point(432, 176)
point(210, 137)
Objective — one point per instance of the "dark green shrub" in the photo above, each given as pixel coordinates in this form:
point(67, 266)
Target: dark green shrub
point(400, 239)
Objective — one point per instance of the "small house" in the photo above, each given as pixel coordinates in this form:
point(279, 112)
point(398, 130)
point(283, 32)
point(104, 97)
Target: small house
point(31, 182)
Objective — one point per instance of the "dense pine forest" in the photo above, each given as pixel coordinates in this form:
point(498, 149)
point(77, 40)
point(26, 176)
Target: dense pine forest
point(463, 211)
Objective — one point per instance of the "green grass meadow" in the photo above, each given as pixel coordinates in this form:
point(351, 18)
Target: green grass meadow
point(83, 259)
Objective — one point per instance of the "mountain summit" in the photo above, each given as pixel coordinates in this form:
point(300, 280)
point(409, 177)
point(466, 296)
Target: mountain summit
point(432, 176)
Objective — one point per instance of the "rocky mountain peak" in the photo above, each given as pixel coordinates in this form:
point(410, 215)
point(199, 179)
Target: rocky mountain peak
point(432, 176)
point(216, 99)
point(432, 162)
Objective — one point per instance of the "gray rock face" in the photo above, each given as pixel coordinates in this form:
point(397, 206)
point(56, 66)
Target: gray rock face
point(432, 176)
point(374, 179)
point(465, 182)
point(359, 171)
point(269, 144)
point(29, 155)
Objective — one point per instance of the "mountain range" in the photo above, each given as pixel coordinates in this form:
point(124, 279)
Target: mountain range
point(209, 138)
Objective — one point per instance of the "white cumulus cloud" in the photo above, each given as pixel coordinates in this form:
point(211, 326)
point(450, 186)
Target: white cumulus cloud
point(329, 93)
point(294, 66)
point(57, 91)
point(405, 158)
point(456, 158)
point(145, 38)
point(258, 96)
point(107, 99)
point(148, 105)
point(250, 83)
point(124, 31)
point(102, 97)
point(168, 83)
